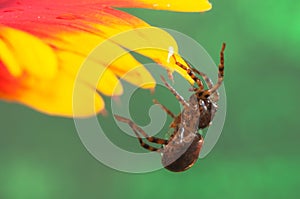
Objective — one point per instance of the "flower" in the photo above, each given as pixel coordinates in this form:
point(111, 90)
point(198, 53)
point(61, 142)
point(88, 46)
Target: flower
point(43, 44)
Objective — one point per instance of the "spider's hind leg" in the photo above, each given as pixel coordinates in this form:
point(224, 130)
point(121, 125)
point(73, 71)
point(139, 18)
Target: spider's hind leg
point(136, 129)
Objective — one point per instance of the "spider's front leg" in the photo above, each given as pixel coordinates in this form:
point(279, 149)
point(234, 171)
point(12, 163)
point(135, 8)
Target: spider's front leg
point(209, 83)
point(178, 97)
point(164, 108)
point(212, 90)
point(190, 72)
point(176, 119)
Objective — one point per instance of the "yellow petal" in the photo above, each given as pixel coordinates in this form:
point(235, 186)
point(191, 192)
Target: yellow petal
point(135, 74)
point(175, 5)
point(93, 73)
point(56, 97)
point(153, 43)
point(33, 55)
point(122, 63)
point(7, 57)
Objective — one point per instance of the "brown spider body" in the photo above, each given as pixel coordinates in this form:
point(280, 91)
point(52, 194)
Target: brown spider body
point(207, 108)
point(182, 149)
point(179, 156)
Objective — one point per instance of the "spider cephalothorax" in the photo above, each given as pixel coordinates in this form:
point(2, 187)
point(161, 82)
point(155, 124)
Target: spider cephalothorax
point(182, 149)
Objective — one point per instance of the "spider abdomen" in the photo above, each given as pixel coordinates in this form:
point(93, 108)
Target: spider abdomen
point(178, 157)
point(207, 113)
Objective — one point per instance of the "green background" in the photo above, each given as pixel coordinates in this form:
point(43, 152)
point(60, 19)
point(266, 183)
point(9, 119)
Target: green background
point(257, 155)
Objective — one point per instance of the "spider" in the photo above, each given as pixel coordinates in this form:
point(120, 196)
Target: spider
point(181, 150)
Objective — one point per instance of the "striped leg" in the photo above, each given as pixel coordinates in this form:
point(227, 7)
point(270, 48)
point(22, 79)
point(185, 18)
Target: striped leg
point(178, 97)
point(189, 72)
point(176, 119)
point(212, 90)
point(164, 108)
point(215, 95)
point(207, 80)
point(136, 129)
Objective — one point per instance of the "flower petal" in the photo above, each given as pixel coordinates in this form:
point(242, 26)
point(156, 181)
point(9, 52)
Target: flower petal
point(44, 45)
point(9, 84)
point(56, 97)
point(9, 60)
point(105, 77)
point(173, 5)
point(40, 60)
point(153, 43)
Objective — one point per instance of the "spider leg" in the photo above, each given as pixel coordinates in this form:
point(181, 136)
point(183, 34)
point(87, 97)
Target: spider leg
point(164, 108)
point(189, 72)
point(215, 95)
point(212, 90)
point(176, 119)
point(178, 97)
point(136, 129)
point(207, 80)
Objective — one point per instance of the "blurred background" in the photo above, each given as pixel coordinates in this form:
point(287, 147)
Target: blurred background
point(257, 155)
